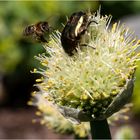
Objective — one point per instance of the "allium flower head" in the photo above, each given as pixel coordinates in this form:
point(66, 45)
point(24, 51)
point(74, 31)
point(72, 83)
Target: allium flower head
point(94, 83)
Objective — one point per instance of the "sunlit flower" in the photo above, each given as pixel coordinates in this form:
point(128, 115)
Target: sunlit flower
point(94, 83)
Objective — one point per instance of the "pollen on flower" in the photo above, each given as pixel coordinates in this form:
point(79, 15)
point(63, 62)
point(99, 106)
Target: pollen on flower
point(33, 93)
point(38, 113)
point(84, 97)
point(48, 73)
point(42, 122)
point(46, 88)
point(34, 121)
point(29, 103)
point(35, 70)
point(44, 63)
point(40, 79)
point(104, 95)
point(114, 93)
point(126, 117)
point(114, 27)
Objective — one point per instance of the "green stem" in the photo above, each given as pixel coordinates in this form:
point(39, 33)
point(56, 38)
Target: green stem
point(100, 129)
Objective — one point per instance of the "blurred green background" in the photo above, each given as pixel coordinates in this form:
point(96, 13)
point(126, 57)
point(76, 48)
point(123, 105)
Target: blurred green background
point(17, 53)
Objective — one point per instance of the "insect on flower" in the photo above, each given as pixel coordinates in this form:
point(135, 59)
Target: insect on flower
point(37, 31)
point(74, 29)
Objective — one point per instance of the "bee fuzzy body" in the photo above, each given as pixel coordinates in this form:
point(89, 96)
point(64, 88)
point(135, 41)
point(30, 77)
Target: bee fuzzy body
point(29, 30)
point(37, 31)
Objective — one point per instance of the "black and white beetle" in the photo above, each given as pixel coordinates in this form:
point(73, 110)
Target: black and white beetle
point(74, 29)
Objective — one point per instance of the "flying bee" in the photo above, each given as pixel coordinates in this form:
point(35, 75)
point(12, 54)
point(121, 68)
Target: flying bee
point(74, 29)
point(37, 31)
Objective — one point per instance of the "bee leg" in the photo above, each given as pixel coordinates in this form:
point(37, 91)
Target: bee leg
point(42, 39)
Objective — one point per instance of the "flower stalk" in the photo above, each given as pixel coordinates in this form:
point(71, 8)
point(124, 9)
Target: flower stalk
point(100, 129)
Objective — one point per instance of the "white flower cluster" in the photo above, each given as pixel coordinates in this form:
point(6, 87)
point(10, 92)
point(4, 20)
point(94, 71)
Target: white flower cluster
point(96, 82)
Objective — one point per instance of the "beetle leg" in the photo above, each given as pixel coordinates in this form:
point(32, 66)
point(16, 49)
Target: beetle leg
point(87, 45)
point(91, 22)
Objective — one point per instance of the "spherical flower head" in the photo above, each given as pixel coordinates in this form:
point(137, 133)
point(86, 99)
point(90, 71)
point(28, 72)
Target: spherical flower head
point(97, 80)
